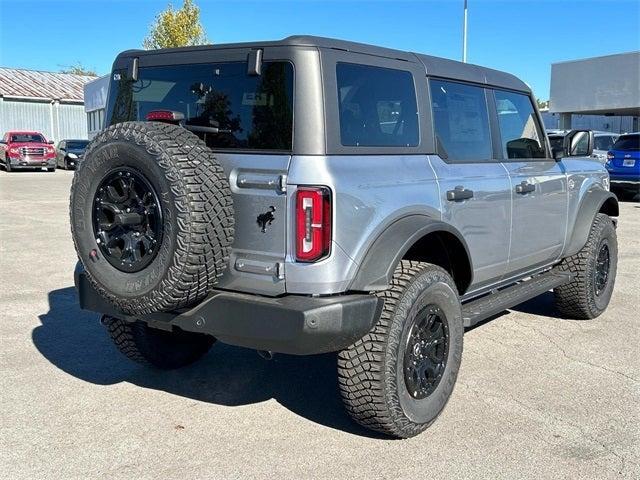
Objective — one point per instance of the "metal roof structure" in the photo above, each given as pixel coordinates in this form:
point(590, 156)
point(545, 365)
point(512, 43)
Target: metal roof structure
point(37, 85)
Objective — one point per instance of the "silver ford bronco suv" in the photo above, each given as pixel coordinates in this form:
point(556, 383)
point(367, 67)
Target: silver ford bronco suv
point(312, 195)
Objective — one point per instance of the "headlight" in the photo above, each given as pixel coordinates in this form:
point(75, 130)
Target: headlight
point(14, 150)
point(50, 150)
point(72, 155)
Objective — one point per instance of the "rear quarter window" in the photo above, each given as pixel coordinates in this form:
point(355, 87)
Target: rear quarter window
point(377, 106)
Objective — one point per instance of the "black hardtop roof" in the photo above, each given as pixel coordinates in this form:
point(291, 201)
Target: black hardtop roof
point(434, 66)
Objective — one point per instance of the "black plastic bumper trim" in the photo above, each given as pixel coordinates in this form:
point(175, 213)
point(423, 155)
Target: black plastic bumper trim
point(293, 324)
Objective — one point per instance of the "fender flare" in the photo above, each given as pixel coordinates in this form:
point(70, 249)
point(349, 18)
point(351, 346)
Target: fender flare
point(591, 203)
point(379, 262)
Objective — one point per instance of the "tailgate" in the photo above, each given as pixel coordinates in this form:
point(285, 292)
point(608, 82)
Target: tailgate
point(257, 183)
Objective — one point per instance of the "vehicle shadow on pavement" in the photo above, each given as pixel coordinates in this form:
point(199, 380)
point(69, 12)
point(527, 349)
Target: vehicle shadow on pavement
point(74, 341)
point(543, 305)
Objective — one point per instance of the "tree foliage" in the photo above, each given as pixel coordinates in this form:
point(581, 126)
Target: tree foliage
point(542, 104)
point(176, 28)
point(77, 69)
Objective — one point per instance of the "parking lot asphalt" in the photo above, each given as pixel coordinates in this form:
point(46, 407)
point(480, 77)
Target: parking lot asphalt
point(537, 396)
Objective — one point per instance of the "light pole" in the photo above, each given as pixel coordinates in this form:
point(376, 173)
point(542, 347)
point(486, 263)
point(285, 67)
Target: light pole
point(464, 34)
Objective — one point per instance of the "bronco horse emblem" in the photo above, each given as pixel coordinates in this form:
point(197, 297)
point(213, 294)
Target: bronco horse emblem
point(266, 218)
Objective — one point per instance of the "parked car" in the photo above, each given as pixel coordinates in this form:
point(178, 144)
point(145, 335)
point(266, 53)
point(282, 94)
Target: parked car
point(418, 196)
point(70, 153)
point(603, 142)
point(20, 150)
point(623, 164)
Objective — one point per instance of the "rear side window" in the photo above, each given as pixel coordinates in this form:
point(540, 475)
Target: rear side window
point(519, 128)
point(461, 121)
point(627, 143)
point(252, 112)
point(377, 106)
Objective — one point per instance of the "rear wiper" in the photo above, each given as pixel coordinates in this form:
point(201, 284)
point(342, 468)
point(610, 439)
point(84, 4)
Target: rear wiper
point(199, 128)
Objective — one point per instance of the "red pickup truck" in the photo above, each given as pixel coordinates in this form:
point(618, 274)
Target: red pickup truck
point(27, 150)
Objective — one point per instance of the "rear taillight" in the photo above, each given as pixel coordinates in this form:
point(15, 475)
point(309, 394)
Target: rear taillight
point(164, 116)
point(610, 156)
point(313, 223)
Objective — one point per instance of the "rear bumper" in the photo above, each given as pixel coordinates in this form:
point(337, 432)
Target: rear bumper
point(292, 324)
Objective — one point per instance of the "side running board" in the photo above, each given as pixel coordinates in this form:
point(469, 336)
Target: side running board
point(477, 310)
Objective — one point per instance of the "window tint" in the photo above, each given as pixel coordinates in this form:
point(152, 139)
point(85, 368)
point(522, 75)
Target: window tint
point(252, 112)
point(461, 121)
point(77, 144)
point(603, 142)
point(377, 106)
point(627, 142)
point(521, 137)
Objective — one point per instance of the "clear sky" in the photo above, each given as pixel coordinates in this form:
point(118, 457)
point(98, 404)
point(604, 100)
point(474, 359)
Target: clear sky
point(519, 36)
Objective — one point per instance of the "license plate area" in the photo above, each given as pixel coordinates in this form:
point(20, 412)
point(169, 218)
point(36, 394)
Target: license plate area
point(628, 162)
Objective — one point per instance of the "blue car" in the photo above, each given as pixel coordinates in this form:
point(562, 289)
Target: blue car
point(623, 164)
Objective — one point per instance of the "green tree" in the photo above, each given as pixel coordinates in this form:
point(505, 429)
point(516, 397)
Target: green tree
point(176, 28)
point(77, 69)
point(542, 103)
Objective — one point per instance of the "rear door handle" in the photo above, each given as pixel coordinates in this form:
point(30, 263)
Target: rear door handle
point(459, 193)
point(525, 187)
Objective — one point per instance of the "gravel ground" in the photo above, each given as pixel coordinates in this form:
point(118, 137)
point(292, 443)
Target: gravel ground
point(537, 396)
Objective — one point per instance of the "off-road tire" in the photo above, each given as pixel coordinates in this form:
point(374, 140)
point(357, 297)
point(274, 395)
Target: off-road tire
point(197, 226)
point(370, 372)
point(157, 348)
point(577, 299)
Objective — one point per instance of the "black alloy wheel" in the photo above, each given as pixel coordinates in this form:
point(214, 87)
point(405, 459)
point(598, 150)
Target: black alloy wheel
point(426, 351)
point(601, 272)
point(127, 219)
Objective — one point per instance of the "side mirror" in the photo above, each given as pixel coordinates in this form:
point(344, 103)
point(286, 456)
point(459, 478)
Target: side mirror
point(50, 142)
point(2, 142)
point(578, 143)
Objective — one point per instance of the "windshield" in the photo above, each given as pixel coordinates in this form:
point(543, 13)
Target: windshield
point(604, 142)
point(627, 143)
point(233, 110)
point(77, 144)
point(27, 138)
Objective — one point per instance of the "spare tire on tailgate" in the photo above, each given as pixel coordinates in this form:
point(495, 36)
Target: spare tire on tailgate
point(151, 217)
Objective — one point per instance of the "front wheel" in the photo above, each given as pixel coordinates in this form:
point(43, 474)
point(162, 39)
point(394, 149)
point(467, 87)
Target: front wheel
point(594, 273)
point(157, 348)
point(7, 165)
point(399, 377)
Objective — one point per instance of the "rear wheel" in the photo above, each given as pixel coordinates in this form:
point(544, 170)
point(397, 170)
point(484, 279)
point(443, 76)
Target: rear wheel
point(157, 348)
point(399, 377)
point(594, 272)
